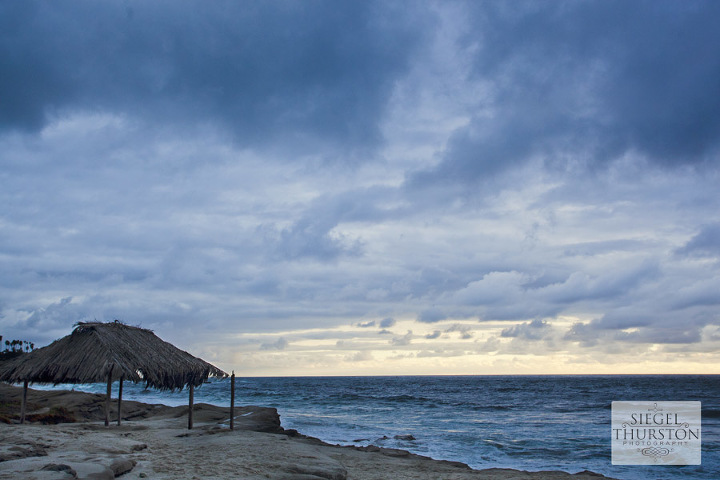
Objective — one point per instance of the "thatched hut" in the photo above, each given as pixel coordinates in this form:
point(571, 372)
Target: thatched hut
point(106, 352)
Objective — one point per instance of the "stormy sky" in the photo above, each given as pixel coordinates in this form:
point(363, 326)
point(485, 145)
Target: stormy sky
point(323, 187)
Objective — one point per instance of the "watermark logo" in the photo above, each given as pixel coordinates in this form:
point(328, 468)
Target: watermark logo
point(656, 433)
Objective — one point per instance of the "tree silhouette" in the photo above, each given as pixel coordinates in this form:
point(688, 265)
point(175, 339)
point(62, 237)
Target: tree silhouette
point(13, 348)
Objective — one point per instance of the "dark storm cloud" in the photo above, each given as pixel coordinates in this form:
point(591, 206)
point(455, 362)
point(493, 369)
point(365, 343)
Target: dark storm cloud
point(585, 83)
point(290, 169)
point(293, 71)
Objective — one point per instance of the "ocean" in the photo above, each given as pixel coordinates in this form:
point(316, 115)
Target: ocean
point(522, 422)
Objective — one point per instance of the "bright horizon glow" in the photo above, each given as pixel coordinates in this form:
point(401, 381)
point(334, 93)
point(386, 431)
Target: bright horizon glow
point(437, 349)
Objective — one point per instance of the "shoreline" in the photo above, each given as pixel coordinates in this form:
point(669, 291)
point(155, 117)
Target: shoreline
point(154, 442)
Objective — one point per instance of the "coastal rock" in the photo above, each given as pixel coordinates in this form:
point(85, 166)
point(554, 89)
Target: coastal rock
point(93, 471)
point(120, 466)
point(326, 469)
point(55, 467)
point(296, 476)
point(388, 452)
point(394, 452)
point(89, 407)
point(369, 448)
point(315, 472)
point(453, 464)
point(404, 437)
point(61, 469)
point(161, 448)
point(14, 452)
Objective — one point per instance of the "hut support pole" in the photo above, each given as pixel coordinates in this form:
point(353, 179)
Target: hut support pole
point(232, 401)
point(23, 406)
point(120, 399)
point(190, 412)
point(107, 399)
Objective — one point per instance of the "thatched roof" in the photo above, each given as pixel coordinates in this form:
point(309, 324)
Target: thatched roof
point(93, 350)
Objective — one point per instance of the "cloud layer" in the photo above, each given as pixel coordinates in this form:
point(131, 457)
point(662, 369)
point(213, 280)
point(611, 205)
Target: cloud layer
point(323, 187)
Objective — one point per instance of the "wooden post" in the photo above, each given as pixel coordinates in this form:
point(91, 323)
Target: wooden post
point(107, 399)
point(190, 412)
point(120, 399)
point(232, 401)
point(23, 406)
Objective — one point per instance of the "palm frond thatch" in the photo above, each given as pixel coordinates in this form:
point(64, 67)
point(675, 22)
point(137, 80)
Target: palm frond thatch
point(95, 350)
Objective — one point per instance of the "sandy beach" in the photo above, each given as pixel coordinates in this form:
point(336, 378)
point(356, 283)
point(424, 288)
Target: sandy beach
point(153, 442)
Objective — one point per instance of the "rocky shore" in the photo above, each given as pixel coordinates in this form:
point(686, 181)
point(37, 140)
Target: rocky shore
point(153, 442)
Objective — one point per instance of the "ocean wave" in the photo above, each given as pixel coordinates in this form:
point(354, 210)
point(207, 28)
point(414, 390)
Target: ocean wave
point(710, 413)
point(481, 408)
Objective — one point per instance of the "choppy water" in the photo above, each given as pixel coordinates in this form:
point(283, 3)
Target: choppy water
point(523, 422)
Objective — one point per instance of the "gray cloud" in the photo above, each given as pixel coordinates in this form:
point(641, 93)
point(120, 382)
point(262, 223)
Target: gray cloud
point(594, 334)
point(280, 168)
point(534, 330)
point(55, 317)
point(402, 341)
point(705, 244)
point(440, 353)
point(464, 330)
point(387, 322)
point(360, 357)
point(263, 73)
point(308, 239)
point(584, 84)
point(431, 315)
point(580, 286)
point(279, 344)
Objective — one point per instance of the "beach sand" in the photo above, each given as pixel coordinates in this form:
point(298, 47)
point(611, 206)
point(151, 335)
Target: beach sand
point(153, 442)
